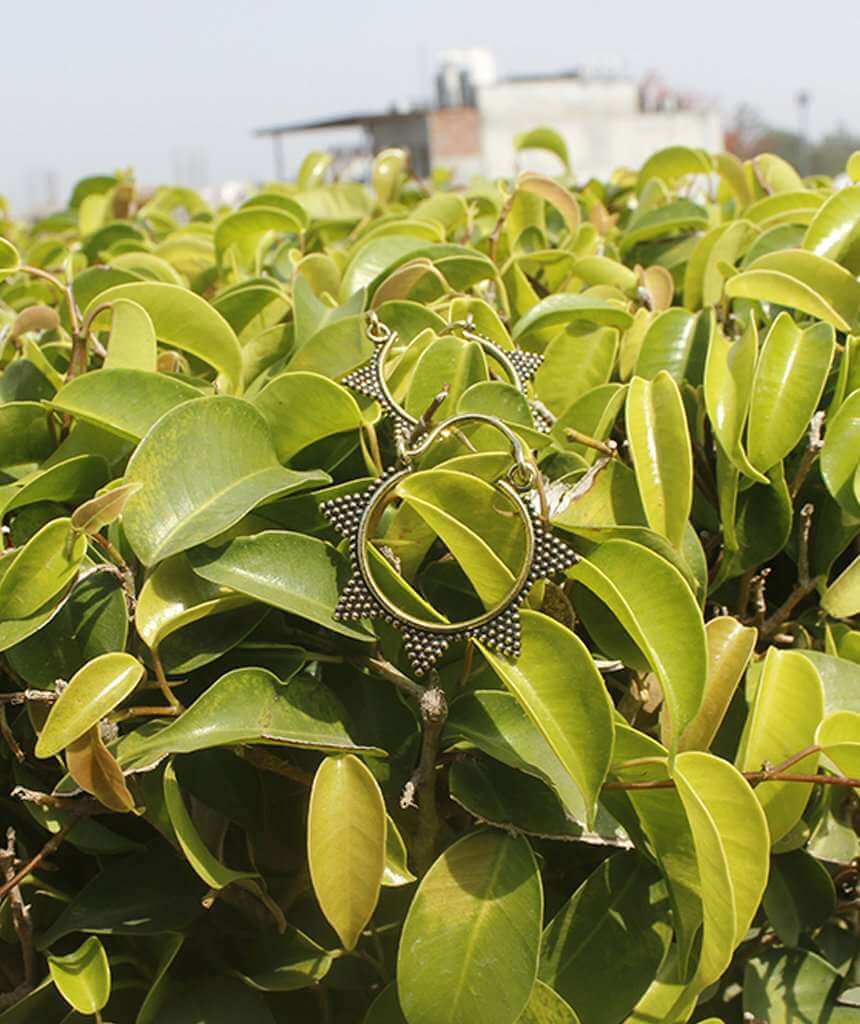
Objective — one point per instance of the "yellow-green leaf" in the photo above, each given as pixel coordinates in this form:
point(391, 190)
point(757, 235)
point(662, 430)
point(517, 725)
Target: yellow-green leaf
point(662, 453)
point(83, 977)
point(346, 844)
point(91, 693)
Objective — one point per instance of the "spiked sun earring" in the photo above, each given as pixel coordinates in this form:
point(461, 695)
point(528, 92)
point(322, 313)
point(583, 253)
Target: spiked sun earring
point(356, 516)
point(369, 380)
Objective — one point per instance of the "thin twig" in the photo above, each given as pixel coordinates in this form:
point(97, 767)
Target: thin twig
point(383, 668)
point(813, 447)
point(609, 448)
point(21, 920)
point(163, 684)
point(9, 738)
point(29, 696)
point(126, 575)
point(52, 844)
point(805, 583)
point(754, 778)
point(268, 762)
point(497, 227)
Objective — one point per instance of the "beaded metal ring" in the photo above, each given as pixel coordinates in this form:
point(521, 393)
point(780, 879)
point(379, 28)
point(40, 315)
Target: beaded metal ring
point(369, 379)
point(356, 515)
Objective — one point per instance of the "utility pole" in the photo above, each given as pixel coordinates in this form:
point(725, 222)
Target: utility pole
point(803, 100)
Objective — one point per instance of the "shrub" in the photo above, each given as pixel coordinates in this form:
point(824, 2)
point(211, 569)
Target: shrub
point(227, 803)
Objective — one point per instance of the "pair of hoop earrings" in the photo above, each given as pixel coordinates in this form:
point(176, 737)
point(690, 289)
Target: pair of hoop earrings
point(356, 516)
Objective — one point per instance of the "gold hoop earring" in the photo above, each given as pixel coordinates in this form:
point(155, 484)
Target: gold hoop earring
point(356, 516)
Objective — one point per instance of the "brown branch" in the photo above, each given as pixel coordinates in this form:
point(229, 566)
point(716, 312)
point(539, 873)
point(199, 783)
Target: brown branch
point(609, 448)
point(20, 911)
point(805, 583)
point(9, 738)
point(813, 447)
point(163, 684)
point(379, 666)
point(126, 575)
point(52, 844)
point(422, 783)
point(27, 696)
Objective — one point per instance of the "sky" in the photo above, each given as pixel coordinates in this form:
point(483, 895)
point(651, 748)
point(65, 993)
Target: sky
point(174, 88)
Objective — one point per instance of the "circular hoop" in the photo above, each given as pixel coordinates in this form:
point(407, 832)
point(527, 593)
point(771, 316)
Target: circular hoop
point(370, 519)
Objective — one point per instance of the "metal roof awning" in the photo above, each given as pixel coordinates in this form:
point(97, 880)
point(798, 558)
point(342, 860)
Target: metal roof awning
point(344, 121)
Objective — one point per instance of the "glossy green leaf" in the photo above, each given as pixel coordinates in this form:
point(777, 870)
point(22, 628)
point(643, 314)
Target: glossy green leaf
point(730, 647)
point(298, 574)
point(602, 949)
point(662, 454)
point(251, 705)
point(476, 917)
point(132, 344)
point(672, 163)
point(839, 737)
point(789, 380)
point(24, 434)
point(553, 666)
point(83, 977)
point(840, 456)
point(180, 505)
point(842, 597)
point(729, 372)
point(785, 712)
point(125, 402)
point(301, 408)
point(788, 986)
point(804, 281)
point(185, 321)
point(210, 869)
point(800, 895)
point(39, 570)
point(836, 224)
point(93, 515)
point(396, 871)
point(65, 482)
point(346, 844)
point(9, 258)
point(564, 309)
point(656, 607)
point(92, 692)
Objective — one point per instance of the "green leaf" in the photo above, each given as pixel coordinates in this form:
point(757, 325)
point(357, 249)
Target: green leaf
point(544, 138)
point(83, 977)
point(282, 963)
point(787, 987)
point(301, 408)
point(215, 1000)
point(346, 844)
point(182, 504)
point(41, 569)
point(103, 509)
point(836, 225)
point(677, 216)
point(145, 894)
point(662, 453)
point(494, 722)
point(210, 869)
point(174, 596)
point(730, 647)
point(564, 309)
point(674, 343)
point(92, 692)
point(25, 435)
point(185, 321)
point(132, 343)
point(546, 1007)
point(476, 918)
point(732, 845)
point(10, 261)
point(125, 402)
point(785, 712)
point(674, 163)
point(839, 737)
point(245, 229)
point(842, 597)
point(553, 666)
point(251, 705)
point(397, 871)
point(803, 281)
point(840, 456)
point(65, 482)
point(729, 372)
point(298, 574)
point(602, 949)
point(789, 380)
point(800, 895)
point(93, 621)
point(656, 607)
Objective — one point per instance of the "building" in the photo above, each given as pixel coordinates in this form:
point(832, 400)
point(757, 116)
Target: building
point(607, 119)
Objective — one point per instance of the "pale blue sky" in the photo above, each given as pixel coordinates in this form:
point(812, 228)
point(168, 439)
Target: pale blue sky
point(93, 85)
